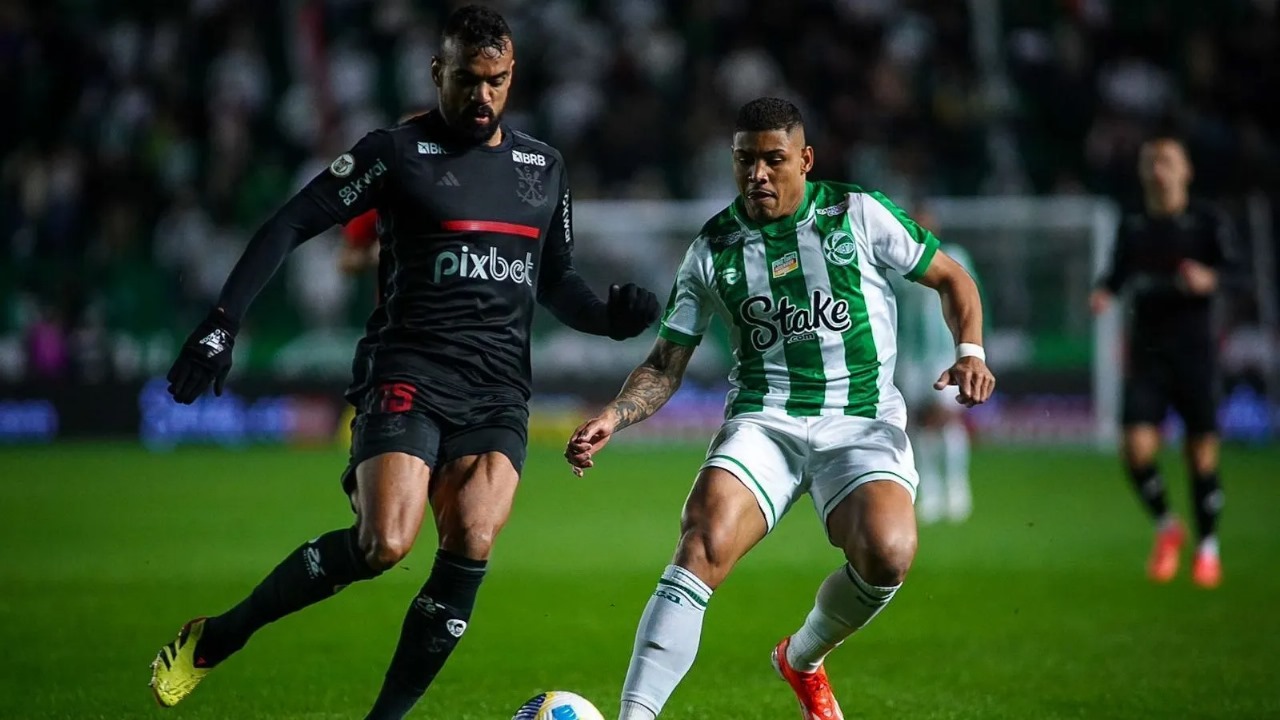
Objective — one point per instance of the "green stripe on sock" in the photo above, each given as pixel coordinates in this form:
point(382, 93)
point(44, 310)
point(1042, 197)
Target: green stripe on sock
point(697, 599)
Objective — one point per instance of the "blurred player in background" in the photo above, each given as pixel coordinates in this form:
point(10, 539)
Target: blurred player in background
point(477, 217)
point(938, 433)
point(799, 270)
point(1170, 259)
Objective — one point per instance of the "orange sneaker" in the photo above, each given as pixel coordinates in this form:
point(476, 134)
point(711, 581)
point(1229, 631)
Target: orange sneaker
point(1163, 564)
point(813, 690)
point(1207, 570)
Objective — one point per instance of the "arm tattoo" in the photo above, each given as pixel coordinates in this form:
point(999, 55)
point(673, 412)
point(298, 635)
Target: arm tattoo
point(651, 385)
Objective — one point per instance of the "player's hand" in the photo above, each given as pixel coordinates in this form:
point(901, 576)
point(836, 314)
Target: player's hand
point(974, 379)
point(631, 310)
point(590, 437)
point(205, 358)
point(1099, 301)
point(1197, 278)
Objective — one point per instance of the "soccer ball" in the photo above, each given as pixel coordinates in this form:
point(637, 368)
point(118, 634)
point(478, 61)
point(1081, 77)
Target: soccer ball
point(557, 705)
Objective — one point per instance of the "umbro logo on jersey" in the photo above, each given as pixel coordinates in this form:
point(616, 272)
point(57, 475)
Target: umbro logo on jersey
point(430, 148)
point(449, 180)
point(529, 158)
point(834, 210)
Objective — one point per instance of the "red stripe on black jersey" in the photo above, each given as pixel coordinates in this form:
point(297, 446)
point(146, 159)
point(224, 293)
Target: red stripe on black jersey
point(490, 226)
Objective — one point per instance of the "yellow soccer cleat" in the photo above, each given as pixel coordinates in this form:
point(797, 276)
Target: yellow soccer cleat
point(176, 670)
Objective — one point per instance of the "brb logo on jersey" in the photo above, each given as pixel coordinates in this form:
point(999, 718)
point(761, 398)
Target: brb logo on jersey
point(529, 158)
point(354, 189)
point(789, 323)
point(466, 264)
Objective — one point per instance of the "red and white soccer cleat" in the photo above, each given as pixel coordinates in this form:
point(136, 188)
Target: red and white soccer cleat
point(813, 690)
point(1207, 570)
point(1163, 564)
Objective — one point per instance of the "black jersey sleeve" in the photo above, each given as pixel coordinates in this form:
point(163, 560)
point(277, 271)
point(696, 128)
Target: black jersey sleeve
point(350, 185)
point(560, 288)
point(1225, 252)
point(1118, 268)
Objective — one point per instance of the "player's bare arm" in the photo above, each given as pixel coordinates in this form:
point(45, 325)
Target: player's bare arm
point(647, 389)
point(962, 308)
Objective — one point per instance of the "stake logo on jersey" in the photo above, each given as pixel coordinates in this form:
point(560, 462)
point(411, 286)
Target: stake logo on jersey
point(354, 189)
point(789, 323)
point(839, 248)
point(466, 264)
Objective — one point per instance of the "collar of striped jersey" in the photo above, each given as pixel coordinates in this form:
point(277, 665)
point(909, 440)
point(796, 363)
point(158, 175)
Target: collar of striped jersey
point(782, 225)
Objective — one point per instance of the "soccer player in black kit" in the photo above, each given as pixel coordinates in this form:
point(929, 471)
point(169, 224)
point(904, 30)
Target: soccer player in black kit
point(475, 220)
point(1171, 259)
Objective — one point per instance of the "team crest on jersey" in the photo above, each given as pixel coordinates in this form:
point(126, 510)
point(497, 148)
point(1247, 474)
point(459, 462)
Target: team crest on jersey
point(784, 265)
point(839, 248)
point(834, 210)
point(529, 186)
point(342, 165)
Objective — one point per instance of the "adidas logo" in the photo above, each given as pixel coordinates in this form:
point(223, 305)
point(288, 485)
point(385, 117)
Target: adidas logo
point(449, 180)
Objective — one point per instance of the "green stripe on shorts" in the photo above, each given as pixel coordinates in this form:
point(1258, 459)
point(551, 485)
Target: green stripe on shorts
point(773, 514)
point(838, 496)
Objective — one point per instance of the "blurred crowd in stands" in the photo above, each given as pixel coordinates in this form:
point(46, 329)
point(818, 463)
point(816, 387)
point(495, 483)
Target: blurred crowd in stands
point(144, 140)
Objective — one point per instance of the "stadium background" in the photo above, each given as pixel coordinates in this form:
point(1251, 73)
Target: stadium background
point(145, 140)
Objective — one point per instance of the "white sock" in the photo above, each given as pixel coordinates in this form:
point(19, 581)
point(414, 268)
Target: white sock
point(845, 603)
point(930, 496)
point(666, 643)
point(1209, 545)
point(955, 442)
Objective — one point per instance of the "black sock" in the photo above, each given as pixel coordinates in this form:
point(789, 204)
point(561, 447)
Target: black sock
point(1206, 492)
point(1150, 487)
point(432, 627)
point(311, 573)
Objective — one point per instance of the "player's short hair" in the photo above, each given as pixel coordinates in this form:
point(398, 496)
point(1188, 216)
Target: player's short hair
point(768, 113)
point(477, 27)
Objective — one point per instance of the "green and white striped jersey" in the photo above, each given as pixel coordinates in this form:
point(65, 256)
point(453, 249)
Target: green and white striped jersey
point(812, 319)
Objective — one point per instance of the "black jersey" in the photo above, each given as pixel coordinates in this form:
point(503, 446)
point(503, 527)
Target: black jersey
point(471, 235)
point(1144, 264)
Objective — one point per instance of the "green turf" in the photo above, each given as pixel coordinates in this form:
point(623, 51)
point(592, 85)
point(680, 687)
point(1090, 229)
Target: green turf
point(1037, 608)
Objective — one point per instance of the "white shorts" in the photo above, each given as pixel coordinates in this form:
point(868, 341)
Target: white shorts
point(915, 382)
point(779, 458)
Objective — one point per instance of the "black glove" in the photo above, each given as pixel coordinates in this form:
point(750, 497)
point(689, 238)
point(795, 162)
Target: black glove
point(205, 358)
point(631, 310)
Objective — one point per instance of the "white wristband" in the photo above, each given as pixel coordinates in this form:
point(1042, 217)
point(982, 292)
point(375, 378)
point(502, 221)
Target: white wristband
point(970, 350)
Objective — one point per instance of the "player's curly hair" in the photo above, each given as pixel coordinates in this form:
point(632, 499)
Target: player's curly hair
point(768, 113)
point(477, 27)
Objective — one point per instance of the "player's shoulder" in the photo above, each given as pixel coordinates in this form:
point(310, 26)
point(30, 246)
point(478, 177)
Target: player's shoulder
point(720, 231)
point(535, 151)
point(833, 199)
point(1206, 211)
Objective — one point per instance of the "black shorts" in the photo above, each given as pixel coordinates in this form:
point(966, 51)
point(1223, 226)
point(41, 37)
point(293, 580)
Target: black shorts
point(1186, 381)
point(435, 423)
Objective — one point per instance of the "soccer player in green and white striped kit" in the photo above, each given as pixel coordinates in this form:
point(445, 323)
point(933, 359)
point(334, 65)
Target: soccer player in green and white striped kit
point(798, 270)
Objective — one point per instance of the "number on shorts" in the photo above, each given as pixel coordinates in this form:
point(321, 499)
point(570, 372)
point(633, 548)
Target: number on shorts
point(397, 397)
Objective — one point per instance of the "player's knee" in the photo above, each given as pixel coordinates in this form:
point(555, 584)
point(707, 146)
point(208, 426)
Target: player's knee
point(383, 549)
point(883, 558)
point(706, 552)
point(471, 540)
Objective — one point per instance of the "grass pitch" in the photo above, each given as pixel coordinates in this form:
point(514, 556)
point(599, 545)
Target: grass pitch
point(1036, 608)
